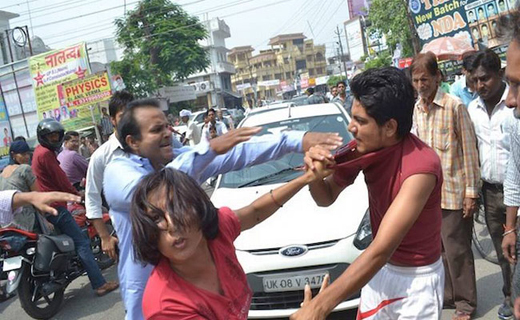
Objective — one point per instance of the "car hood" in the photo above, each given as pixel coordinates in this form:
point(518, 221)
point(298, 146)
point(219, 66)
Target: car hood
point(300, 220)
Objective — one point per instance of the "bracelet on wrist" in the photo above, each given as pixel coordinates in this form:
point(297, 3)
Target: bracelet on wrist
point(508, 232)
point(274, 200)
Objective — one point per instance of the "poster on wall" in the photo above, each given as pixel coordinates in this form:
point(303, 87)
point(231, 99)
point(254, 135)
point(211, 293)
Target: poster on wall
point(51, 69)
point(473, 21)
point(78, 95)
point(5, 135)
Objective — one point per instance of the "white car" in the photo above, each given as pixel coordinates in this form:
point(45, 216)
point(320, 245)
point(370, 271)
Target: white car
point(301, 242)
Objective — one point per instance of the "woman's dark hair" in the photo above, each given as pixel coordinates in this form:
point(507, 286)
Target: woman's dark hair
point(118, 102)
point(186, 203)
point(128, 125)
point(386, 93)
point(488, 60)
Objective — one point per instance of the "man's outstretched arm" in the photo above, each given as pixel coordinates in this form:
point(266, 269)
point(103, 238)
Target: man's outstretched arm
point(402, 214)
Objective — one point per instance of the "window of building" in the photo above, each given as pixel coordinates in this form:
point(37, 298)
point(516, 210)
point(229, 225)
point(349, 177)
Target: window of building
point(206, 78)
point(309, 58)
point(288, 75)
point(319, 57)
point(311, 72)
point(278, 76)
point(319, 70)
point(266, 78)
point(301, 64)
point(286, 60)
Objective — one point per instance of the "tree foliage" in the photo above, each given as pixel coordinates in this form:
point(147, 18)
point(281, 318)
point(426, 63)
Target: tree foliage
point(389, 17)
point(382, 60)
point(161, 46)
point(333, 80)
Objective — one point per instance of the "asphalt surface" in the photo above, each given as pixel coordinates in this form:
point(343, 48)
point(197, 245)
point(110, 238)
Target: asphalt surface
point(81, 303)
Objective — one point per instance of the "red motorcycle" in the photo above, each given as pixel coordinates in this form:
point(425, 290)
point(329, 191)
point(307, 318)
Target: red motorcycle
point(41, 266)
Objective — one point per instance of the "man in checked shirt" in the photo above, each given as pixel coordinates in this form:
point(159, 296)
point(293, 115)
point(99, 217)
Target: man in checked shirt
point(442, 121)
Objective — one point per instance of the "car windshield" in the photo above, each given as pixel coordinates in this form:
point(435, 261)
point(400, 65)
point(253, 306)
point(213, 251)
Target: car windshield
point(286, 168)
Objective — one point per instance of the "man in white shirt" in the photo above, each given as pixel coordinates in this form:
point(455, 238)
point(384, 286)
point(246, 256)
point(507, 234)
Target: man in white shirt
point(219, 126)
point(192, 135)
point(96, 169)
point(493, 122)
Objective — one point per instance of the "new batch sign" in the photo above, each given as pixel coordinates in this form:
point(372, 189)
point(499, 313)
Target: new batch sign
point(473, 21)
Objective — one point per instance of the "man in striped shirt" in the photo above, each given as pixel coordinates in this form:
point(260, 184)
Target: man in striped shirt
point(493, 121)
point(442, 122)
point(510, 27)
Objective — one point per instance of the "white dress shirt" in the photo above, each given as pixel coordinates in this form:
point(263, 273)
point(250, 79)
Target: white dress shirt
point(493, 136)
point(6, 209)
point(96, 169)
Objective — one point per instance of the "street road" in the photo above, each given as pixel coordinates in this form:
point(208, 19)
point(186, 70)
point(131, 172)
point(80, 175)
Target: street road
point(81, 303)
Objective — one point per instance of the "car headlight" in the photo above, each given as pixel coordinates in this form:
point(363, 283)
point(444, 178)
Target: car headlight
point(364, 233)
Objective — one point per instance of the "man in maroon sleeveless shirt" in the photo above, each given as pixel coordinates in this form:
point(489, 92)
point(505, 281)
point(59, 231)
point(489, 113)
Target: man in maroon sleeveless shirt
point(401, 272)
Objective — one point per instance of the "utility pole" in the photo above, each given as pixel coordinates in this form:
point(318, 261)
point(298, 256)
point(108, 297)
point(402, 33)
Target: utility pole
point(312, 31)
point(338, 33)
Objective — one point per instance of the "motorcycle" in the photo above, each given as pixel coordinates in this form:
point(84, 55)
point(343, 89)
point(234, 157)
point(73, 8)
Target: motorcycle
point(41, 266)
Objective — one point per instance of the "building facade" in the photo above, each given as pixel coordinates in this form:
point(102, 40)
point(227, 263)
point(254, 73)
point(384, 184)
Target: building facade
point(292, 62)
point(213, 86)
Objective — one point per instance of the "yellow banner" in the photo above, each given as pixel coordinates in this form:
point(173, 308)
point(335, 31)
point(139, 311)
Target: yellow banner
point(50, 69)
point(87, 91)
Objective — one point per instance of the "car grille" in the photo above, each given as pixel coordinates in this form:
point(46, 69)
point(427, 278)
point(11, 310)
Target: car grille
point(312, 246)
point(278, 300)
point(282, 300)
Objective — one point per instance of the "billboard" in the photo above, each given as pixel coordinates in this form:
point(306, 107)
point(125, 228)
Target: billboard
point(77, 95)
point(355, 42)
point(473, 21)
point(49, 70)
point(5, 135)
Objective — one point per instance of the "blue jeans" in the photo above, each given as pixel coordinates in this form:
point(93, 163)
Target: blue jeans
point(66, 223)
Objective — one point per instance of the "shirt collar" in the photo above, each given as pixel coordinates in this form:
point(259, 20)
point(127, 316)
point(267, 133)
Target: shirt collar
point(140, 161)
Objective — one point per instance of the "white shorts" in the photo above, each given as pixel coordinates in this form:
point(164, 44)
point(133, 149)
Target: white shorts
point(403, 293)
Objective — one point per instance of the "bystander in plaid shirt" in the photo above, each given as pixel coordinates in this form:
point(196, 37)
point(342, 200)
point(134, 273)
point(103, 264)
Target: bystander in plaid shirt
point(445, 126)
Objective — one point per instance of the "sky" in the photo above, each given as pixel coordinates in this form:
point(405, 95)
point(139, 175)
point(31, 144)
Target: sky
point(252, 22)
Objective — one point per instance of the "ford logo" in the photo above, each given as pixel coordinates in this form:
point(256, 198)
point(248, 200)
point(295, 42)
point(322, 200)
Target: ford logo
point(293, 251)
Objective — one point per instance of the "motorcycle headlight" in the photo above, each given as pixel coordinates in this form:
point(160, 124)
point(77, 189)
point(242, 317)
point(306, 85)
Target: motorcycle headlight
point(364, 233)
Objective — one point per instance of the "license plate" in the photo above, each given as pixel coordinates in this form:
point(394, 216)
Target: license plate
point(292, 282)
point(12, 263)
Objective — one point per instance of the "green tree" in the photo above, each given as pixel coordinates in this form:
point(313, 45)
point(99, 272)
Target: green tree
point(392, 18)
point(381, 60)
point(333, 80)
point(161, 46)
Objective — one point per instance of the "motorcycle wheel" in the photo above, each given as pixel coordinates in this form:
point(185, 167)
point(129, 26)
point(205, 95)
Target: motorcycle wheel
point(35, 304)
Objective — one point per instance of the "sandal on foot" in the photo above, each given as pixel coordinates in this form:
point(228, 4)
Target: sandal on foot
point(460, 315)
point(106, 288)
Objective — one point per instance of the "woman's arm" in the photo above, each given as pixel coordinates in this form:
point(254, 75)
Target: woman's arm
point(269, 203)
